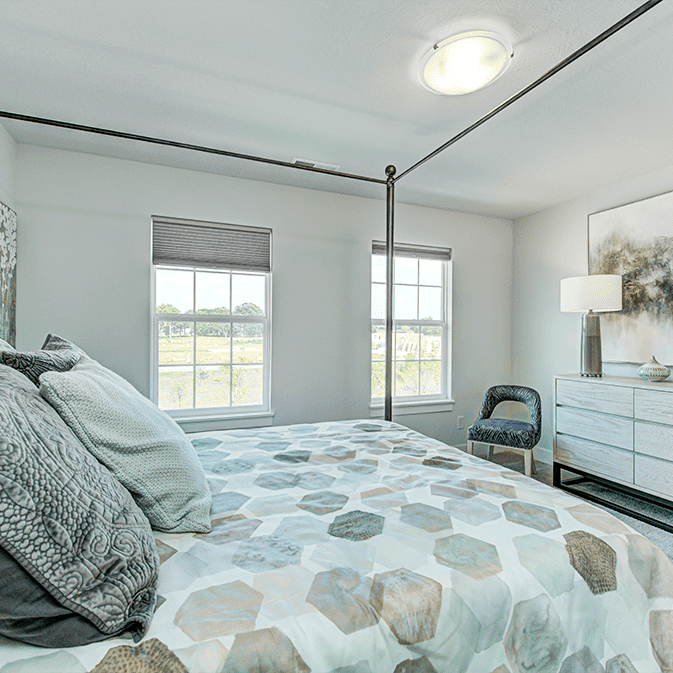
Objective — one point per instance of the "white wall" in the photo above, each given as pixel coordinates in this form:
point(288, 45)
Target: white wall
point(549, 246)
point(7, 168)
point(84, 273)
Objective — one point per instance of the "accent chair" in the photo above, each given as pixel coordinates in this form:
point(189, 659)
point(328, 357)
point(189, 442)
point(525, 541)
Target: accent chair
point(503, 432)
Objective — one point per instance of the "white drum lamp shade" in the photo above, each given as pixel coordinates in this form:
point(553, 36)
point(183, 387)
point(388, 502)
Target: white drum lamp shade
point(591, 295)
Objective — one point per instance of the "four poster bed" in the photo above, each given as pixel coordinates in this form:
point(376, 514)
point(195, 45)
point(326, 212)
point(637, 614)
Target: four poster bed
point(354, 546)
point(365, 546)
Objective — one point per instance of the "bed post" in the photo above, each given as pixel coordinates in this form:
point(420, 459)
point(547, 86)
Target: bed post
point(390, 239)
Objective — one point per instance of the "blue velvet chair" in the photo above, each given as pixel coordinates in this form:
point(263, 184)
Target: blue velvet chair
point(503, 432)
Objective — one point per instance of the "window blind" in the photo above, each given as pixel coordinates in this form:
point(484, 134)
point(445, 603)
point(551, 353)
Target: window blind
point(406, 250)
point(210, 245)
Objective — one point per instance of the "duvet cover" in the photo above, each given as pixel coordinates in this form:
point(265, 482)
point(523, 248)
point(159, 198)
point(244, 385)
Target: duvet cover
point(365, 547)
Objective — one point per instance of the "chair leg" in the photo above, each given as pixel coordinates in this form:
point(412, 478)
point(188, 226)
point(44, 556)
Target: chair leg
point(532, 457)
point(470, 446)
point(527, 458)
point(490, 451)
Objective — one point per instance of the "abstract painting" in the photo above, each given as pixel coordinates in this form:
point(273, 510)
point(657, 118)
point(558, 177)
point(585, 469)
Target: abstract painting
point(636, 241)
point(7, 274)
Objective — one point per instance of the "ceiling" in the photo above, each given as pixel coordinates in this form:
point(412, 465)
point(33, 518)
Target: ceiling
point(335, 82)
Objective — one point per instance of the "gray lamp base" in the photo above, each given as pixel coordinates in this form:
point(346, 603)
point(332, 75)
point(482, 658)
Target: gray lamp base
point(591, 358)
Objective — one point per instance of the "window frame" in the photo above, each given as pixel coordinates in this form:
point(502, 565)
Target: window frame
point(429, 403)
point(248, 415)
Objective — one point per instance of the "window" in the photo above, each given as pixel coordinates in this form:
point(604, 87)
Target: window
point(421, 314)
point(211, 318)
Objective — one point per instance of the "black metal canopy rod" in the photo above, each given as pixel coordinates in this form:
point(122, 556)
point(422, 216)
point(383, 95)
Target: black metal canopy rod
point(390, 224)
point(390, 237)
point(353, 176)
point(390, 170)
point(645, 7)
point(184, 146)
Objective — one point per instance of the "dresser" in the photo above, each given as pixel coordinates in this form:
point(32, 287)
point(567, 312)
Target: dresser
point(617, 430)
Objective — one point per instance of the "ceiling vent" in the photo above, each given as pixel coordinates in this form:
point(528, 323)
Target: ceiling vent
point(315, 164)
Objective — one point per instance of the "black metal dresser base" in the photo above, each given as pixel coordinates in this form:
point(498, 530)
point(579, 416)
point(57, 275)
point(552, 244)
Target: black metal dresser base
point(567, 485)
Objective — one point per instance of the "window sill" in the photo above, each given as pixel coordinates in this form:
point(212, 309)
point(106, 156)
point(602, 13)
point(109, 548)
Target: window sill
point(410, 408)
point(207, 423)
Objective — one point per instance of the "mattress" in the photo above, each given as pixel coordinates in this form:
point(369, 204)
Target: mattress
point(366, 547)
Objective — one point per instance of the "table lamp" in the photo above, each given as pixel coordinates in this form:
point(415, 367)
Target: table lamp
point(586, 294)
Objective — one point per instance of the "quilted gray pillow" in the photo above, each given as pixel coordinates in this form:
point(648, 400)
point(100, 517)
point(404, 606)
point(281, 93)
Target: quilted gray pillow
point(143, 446)
point(56, 354)
point(67, 520)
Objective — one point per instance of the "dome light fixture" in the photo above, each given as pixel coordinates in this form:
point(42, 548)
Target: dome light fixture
point(465, 62)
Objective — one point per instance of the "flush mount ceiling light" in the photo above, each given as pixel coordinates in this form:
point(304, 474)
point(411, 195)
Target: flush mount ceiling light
point(465, 62)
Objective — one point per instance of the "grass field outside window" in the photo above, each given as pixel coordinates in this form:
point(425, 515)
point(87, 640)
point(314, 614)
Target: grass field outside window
point(210, 356)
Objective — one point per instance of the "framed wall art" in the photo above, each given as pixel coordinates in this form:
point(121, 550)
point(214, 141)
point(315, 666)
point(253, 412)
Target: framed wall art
point(7, 274)
point(636, 241)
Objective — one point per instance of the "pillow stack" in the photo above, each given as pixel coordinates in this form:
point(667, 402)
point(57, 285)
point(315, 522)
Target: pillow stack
point(88, 560)
point(56, 354)
point(61, 464)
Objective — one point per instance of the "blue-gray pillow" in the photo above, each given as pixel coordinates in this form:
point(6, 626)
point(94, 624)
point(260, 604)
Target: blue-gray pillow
point(56, 354)
point(142, 446)
point(29, 613)
point(65, 518)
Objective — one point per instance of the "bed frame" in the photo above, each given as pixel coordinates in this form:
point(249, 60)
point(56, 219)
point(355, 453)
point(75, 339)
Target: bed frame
point(390, 171)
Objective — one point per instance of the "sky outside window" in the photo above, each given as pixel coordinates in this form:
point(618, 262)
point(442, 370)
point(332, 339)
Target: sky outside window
point(175, 287)
point(418, 288)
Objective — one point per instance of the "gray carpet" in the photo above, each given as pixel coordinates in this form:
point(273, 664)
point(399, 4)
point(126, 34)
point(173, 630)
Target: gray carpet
point(662, 538)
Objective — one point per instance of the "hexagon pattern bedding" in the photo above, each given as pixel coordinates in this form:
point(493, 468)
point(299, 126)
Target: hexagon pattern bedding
point(365, 547)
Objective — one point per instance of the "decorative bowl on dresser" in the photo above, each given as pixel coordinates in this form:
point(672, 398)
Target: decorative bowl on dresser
point(615, 431)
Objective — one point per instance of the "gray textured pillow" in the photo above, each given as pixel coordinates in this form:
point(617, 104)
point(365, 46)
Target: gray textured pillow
point(143, 446)
point(53, 342)
point(56, 354)
point(67, 520)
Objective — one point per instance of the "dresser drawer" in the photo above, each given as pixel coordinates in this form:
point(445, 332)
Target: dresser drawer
point(616, 400)
point(595, 458)
point(654, 474)
point(654, 440)
point(654, 405)
point(603, 428)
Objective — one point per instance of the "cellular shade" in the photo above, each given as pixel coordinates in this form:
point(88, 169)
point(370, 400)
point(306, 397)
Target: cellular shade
point(210, 245)
point(422, 251)
point(600, 292)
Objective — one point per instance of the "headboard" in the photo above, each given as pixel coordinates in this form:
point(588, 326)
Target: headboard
point(7, 274)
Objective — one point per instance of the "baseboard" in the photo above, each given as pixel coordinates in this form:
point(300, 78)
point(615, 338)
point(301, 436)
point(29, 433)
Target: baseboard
point(544, 455)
